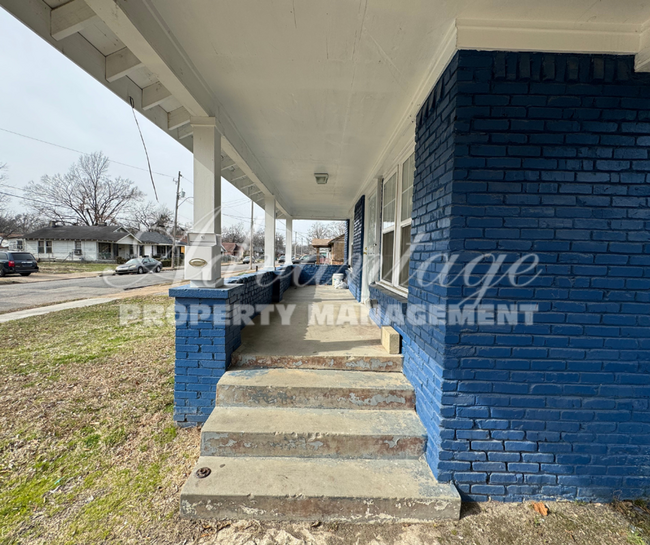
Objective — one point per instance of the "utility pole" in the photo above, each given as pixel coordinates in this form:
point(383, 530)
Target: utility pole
point(250, 249)
point(178, 194)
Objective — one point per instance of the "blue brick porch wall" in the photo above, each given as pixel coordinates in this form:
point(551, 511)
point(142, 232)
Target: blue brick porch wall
point(356, 260)
point(203, 347)
point(317, 275)
point(346, 251)
point(537, 153)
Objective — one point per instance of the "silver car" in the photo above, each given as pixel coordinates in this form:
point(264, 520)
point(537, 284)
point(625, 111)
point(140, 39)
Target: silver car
point(139, 265)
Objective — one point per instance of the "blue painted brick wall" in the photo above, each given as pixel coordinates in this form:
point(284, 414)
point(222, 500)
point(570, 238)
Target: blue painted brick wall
point(314, 274)
point(541, 153)
point(356, 262)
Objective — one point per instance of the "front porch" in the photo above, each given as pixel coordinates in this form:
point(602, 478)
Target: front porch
point(314, 421)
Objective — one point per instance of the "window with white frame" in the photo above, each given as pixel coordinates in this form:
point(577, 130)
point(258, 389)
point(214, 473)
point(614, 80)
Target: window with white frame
point(397, 207)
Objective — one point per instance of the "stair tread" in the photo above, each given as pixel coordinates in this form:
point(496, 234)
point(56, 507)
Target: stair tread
point(225, 419)
point(287, 477)
point(315, 378)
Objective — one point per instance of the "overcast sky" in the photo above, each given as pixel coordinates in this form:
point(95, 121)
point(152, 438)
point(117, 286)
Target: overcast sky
point(47, 97)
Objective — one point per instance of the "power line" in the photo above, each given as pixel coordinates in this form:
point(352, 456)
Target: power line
point(79, 152)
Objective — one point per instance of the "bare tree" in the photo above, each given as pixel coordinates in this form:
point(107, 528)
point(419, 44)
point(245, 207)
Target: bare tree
point(337, 228)
point(151, 217)
point(320, 230)
point(234, 233)
point(19, 224)
point(3, 178)
point(85, 195)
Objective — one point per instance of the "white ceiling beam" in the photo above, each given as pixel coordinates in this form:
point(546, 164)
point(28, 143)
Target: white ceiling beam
point(154, 95)
point(177, 118)
point(121, 64)
point(185, 131)
point(70, 18)
point(141, 28)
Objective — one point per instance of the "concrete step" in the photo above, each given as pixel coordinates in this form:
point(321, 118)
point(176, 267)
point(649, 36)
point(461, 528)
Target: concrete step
point(245, 431)
point(387, 363)
point(317, 389)
point(317, 489)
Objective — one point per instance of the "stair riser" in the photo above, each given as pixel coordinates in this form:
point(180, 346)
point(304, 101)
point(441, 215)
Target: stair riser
point(343, 363)
point(316, 398)
point(311, 445)
point(291, 508)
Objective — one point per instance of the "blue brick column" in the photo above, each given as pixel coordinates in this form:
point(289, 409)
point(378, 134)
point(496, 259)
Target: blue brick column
point(356, 263)
point(548, 154)
point(206, 336)
point(204, 345)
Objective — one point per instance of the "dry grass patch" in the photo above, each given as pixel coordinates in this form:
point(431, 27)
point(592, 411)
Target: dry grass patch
point(66, 267)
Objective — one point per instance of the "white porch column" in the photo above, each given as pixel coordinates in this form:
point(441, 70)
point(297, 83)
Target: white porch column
point(288, 247)
point(269, 232)
point(203, 255)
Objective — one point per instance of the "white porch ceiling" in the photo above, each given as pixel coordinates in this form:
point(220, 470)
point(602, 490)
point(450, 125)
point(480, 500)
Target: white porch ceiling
point(306, 86)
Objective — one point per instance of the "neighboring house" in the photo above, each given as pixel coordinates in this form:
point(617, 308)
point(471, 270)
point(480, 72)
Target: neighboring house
point(322, 246)
point(82, 242)
point(234, 249)
point(158, 245)
point(14, 242)
point(337, 250)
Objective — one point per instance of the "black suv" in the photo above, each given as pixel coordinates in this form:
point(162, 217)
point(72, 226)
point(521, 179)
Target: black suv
point(21, 263)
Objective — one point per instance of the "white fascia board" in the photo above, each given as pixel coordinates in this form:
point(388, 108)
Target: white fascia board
point(550, 37)
point(70, 18)
point(140, 27)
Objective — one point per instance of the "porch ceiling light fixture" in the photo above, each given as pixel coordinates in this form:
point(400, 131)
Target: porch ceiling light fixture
point(321, 178)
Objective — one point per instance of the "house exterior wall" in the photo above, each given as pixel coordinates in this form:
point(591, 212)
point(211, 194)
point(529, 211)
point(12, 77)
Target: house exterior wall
point(64, 249)
point(546, 154)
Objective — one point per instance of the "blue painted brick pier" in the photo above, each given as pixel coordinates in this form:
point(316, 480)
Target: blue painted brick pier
point(546, 154)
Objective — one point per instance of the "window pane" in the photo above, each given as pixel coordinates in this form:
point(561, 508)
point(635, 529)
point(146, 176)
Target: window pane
point(388, 215)
point(405, 252)
point(387, 256)
point(408, 170)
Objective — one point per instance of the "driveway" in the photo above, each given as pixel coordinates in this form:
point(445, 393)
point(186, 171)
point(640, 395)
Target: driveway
point(21, 295)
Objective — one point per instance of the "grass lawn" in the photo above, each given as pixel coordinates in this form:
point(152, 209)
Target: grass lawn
point(89, 454)
point(66, 267)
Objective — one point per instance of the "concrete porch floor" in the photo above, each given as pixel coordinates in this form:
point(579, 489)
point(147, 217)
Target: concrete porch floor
point(302, 339)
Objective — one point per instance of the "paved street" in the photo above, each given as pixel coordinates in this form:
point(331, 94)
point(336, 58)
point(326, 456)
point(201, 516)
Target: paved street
point(22, 295)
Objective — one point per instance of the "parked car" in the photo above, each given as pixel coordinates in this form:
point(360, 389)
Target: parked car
point(309, 259)
point(139, 265)
point(281, 259)
point(22, 263)
point(246, 260)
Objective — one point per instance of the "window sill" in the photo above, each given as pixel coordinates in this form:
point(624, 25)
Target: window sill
point(392, 291)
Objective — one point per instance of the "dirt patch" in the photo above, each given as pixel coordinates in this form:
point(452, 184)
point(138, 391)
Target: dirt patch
point(89, 454)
